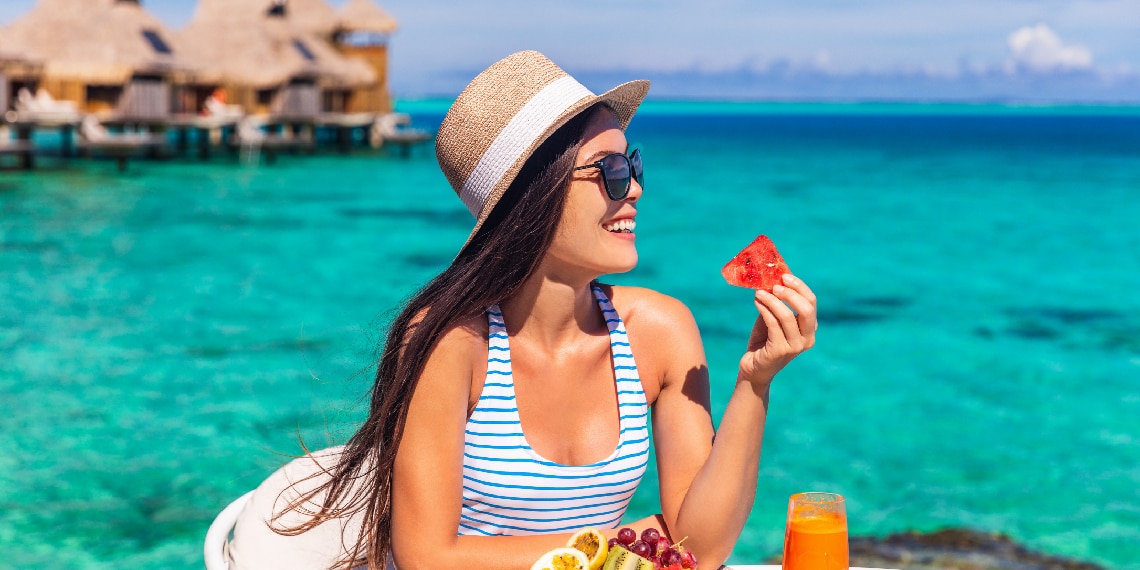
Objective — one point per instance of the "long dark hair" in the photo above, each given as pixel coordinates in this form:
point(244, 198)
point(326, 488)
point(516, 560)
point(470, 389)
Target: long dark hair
point(502, 255)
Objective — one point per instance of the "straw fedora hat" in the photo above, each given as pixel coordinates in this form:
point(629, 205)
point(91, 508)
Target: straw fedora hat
point(504, 114)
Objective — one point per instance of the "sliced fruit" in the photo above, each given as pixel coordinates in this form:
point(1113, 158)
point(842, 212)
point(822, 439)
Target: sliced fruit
point(591, 542)
point(561, 559)
point(619, 558)
point(758, 266)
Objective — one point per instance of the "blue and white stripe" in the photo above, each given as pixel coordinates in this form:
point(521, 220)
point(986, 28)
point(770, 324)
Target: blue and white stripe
point(508, 489)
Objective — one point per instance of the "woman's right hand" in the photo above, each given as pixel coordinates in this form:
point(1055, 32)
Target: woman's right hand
point(785, 328)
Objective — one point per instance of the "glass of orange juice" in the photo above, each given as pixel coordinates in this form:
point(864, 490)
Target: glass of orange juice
point(816, 535)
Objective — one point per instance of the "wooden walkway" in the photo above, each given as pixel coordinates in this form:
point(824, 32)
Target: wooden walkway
point(154, 137)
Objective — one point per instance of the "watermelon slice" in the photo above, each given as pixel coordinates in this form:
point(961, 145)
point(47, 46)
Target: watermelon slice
point(758, 266)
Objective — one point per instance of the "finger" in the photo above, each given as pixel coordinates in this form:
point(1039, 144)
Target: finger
point(759, 333)
point(805, 310)
point(775, 314)
point(800, 287)
point(785, 314)
point(775, 331)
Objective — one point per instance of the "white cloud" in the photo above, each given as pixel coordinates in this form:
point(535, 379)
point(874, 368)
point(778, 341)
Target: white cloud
point(1038, 48)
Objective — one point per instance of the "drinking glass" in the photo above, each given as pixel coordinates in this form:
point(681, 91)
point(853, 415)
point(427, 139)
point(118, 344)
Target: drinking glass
point(816, 535)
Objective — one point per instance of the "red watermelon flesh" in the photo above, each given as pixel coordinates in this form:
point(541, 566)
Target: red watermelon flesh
point(758, 266)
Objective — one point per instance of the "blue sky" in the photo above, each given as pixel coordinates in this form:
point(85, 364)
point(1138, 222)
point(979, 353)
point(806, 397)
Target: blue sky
point(888, 49)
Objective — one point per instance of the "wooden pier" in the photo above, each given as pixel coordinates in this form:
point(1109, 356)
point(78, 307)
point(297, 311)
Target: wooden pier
point(123, 138)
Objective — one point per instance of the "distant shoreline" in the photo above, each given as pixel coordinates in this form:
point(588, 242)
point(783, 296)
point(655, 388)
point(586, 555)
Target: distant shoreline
point(439, 105)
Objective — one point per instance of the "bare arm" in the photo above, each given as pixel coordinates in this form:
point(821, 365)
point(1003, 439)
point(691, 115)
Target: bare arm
point(708, 486)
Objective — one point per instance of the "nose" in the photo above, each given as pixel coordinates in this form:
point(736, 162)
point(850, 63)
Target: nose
point(635, 191)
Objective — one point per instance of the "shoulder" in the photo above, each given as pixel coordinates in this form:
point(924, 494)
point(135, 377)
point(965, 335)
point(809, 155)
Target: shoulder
point(648, 309)
point(471, 330)
point(663, 336)
point(455, 361)
point(455, 344)
point(463, 337)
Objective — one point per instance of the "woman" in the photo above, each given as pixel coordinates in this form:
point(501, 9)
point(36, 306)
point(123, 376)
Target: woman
point(512, 397)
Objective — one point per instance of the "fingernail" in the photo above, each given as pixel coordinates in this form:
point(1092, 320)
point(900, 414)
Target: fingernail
point(789, 278)
point(778, 288)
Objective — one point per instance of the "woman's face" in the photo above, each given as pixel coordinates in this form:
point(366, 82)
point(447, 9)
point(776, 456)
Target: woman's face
point(596, 234)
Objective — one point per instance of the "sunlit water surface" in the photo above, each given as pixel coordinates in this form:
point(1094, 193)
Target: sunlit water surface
point(168, 334)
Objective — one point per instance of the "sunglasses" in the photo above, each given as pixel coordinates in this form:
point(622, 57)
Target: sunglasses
point(617, 171)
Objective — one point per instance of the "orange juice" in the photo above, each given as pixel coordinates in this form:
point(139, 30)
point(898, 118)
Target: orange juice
point(816, 543)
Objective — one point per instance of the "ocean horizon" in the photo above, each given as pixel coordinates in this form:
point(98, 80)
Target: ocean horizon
point(172, 333)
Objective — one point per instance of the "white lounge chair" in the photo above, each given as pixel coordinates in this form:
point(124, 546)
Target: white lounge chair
point(216, 108)
point(42, 107)
point(393, 128)
point(45, 102)
point(94, 138)
point(252, 140)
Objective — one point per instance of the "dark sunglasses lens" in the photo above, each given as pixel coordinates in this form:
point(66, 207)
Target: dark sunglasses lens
point(616, 169)
point(638, 171)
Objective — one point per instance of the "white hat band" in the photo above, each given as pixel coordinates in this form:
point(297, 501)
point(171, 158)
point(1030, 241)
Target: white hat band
point(523, 129)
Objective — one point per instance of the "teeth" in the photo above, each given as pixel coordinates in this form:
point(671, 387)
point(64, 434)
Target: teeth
point(626, 225)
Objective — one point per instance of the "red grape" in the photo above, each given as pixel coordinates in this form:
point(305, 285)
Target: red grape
point(670, 557)
point(663, 544)
point(651, 535)
point(688, 559)
point(614, 542)
point(626, 536)
point(641, 548)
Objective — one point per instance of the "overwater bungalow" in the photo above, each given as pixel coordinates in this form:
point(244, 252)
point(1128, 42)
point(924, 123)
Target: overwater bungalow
point(270, 64)
point(362, 32)
point(109, 57)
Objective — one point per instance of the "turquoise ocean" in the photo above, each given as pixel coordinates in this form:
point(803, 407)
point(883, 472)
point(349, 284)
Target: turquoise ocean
point(169, 334)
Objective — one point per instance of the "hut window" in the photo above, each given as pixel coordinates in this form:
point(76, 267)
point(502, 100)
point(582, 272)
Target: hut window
point(277, 9)
point(103, 96)
point(265, 96)
point(363, 39)
point(156, 42)
point(304, 50)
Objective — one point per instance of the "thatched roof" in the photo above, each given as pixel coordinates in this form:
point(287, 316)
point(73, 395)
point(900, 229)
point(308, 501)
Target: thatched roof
point(314, 16)
point(365, 16)
point(248, 45)
point(95, 41)
point(14, 63)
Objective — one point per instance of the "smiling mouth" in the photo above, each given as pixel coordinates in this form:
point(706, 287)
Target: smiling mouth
point(621, 226)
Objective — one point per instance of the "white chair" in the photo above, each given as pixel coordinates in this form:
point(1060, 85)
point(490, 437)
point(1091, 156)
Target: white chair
point(45, 102)
point(25, 101)
point(219, 533)
point(43, 108)
point(93, 131)
point(392, 128)
point(216, 108)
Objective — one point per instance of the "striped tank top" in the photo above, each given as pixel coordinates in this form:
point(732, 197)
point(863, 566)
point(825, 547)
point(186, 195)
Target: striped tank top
point(509, 489)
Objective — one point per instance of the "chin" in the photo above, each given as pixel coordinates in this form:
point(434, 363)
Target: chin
point(623, 264)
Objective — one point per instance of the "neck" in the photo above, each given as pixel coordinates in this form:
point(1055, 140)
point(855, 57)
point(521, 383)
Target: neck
point(548, 312)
